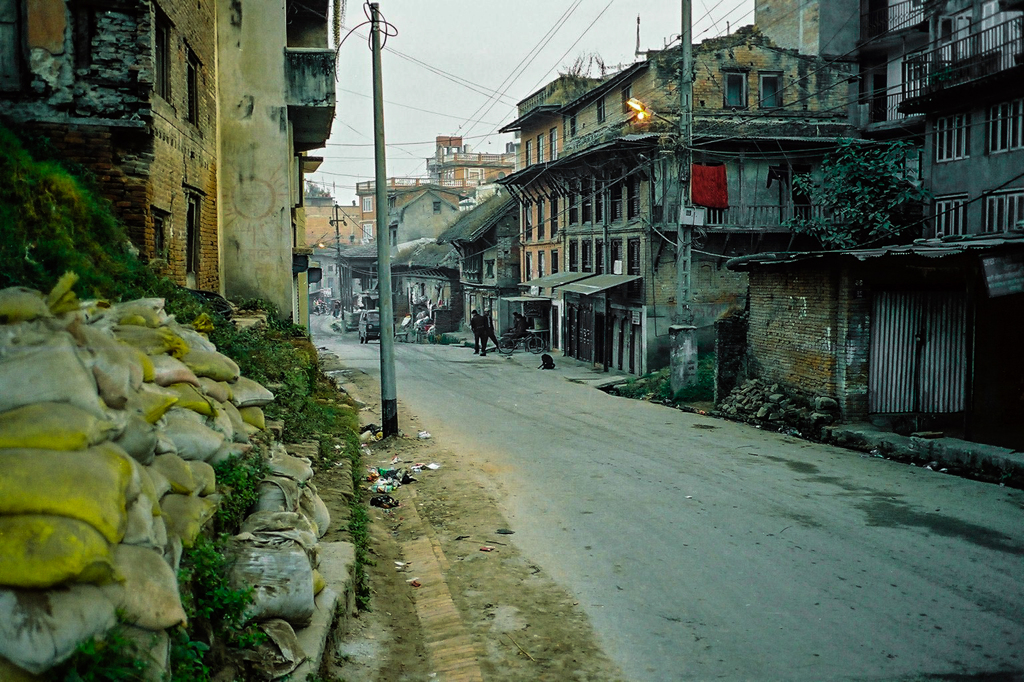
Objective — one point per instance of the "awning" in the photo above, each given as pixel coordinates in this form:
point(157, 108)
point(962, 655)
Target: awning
point(557, 279)
point(598, 283)
point(525, 299)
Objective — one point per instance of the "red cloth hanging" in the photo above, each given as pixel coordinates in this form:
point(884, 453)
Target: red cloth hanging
point(708, 186)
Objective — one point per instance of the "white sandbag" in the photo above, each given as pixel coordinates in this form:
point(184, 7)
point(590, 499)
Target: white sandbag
point(314, 509)
point(54, 372)
point(143, 312)
point(278, 529)
point(139, 438)
point(239, 434)
point(229, 450)
point(173, 551)
point(247, 393)
point(151, 341)
point(154, 648)
point(141, 531)
point(212, 365)
point(52, 426)
point(194, 339)
point(218, 390)
point(282, 464)
point(281, 653)
point(42, 628)
point(148, 597)
point(221, 423)
point(193, 440)
point(168, 370)
point(205, 478)
point(161, 485)
point(277, 493)
point(164, 445)
point(282, 582)
point(21, 304)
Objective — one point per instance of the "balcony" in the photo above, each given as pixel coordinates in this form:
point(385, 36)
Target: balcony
point(369, 186)
point(310, 77)
point(761, 216)
point(981, 54)
point(896, 17)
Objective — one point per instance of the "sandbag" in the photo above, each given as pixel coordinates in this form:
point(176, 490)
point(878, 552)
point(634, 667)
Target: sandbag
point(161, 485)
point(151, 401)
point(281, 653)
point(142, 312)
point(194, 339)
point(254, 416)
point(276, 529)
point(53, 372)
point(221, 422)
point(319, 583)
point(90, 485)
point(212, 365)
point(20, 304)
point(52, 426)
point(282, 464)
point(282, 582)
point(204, 476)
point(148, 595)
point(12, 673)
point(139, 438)
point(229, 450)
point(142, 524)
point(164, 445)
point(152, 341)
point(41, 551)
point(193, 440)
point(277, 493)
point(185, 515)
point(153, 648)
point(314, 509)
point(218, 390)
point(41, 629)
point(114, 363)
point(248, 393)
point(190, 398)
point(240, 435)
point(175, 471)
point(168, 370)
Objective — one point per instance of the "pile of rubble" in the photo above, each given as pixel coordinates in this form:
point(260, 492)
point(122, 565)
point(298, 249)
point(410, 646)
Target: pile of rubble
point(111, 418)
point(777, 406)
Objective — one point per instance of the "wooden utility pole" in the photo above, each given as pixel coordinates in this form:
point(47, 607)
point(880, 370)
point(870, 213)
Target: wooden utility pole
point(388, 394)
point(684, 240)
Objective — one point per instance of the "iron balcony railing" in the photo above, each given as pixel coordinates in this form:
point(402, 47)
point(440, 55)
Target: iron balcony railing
point(759, 216)
point(895, 17)
point(965, 59)
point(401, 183)
point(886, 107)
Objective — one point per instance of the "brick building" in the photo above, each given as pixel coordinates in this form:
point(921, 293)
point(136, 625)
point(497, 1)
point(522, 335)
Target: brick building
point(453, 164)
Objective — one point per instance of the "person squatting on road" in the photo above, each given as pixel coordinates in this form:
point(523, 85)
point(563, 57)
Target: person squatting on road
point(479, 326)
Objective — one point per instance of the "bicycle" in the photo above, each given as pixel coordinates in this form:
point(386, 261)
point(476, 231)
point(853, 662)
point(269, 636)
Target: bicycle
point(530, 341)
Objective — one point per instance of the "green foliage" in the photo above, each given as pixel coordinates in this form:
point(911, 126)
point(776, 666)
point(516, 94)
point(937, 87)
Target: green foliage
point(870, 193)
point(113, 657)
point(238, 481)
point(657, 386)
point(702, 390)
point(188, 658)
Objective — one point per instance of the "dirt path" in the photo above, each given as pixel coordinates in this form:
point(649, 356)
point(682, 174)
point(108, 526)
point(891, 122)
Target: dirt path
point(453, 612)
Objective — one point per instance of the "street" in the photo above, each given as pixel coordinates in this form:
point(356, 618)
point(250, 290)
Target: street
point(706, 549)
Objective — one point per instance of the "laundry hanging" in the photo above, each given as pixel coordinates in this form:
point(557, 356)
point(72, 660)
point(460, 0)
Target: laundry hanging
point(708, 186)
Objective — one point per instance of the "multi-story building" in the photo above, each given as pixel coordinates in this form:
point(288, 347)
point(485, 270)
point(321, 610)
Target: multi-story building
point(416, 208)
point(454, 163)
point(612, 194)
point(194, 118)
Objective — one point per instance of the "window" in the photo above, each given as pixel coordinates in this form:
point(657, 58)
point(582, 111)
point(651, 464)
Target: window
point(540, 220)
point(489, 269)
point(735, 90)
point(162, 57)
point(598, 201)
point(574, 202)
point(540, 148)
point(392, 202)
point(528, 153)
point(1006, 126)
point(437, 207)
point(574, 260)
point(529, 266)
point(770, 95)
point(951, 138)
point(598, 256)
point(554, 261)
point(600, 110)
point(950, 214)
point(393, 235)
point(367, 232)
point(586, 200)
point(553, 143)
point(616, 203)
point(159, 233)
point(367, 204)
point(587, 263)
point(528, 222)
point(615, 256)
point(572, 125)
point(632, 197)
point(633, 266)
point(85, 31)
point(554, 215)
point(1004, 210)
point(192, 88)
point(10, 41)
point(192, 243)
point(627, 93)
point(540, 263)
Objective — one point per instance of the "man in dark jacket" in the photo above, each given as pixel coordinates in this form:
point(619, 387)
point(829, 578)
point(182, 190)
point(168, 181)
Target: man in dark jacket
point(490, 330)
point(478, 323)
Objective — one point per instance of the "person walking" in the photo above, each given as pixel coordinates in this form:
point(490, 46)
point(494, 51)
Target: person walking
point(490, 330)
point(479, 326)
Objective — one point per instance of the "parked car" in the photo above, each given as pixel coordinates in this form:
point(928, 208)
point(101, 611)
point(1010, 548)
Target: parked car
point(369, 325)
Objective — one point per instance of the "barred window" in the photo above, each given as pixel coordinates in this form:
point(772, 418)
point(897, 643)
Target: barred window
point(540, 219)
point(951, 138)
point(634, 288)
point(1006, 126)
point(950, 215)
point(599, 256)
point(633, 197)
point(528, 222)
point(554, 261)
point(574, 202)
point(554, 215)
point(1003, 211)
point(574, 261)
point(587, 264)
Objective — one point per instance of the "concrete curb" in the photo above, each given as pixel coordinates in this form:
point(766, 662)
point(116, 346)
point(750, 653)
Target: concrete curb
point(337, 601)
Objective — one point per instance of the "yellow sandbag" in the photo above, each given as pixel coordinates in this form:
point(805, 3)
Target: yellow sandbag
point(176, 471)
point(143, 312)
point(52, 426)
point(152, 341)
point(253, 416)
point(185, 515)
point(61, 298)
point(20, 304)
point(151, 401)
point(204, 477)
point(148, 371)
point(203, 323)
point(88, 485)
point(237, 422)
point(211, 364)
point(42, 550)
point(190, 398)
point(318, 582)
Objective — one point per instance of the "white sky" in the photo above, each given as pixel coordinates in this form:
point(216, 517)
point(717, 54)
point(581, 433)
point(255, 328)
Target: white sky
point(483, 49)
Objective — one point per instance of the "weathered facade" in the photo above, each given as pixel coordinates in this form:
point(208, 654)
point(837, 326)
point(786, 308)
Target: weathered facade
point(432, 217)
point(127, 90)
point(454, 165)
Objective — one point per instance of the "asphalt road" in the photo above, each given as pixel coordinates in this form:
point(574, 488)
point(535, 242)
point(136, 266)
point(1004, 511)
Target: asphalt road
point(704, 549)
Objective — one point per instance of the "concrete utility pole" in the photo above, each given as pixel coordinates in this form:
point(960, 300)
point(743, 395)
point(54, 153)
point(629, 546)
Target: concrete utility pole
point(388, 395)
point(683, 333)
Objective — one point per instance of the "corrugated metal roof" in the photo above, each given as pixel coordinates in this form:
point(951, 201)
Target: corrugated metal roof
point(599, 283)
point(556, 279)
point(472, 224)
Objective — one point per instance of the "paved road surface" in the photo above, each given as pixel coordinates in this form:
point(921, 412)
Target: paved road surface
point(704, 549)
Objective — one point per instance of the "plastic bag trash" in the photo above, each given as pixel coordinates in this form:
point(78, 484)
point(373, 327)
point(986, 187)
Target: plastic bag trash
point(423, 435)
point(383, 501)
point(433, 467)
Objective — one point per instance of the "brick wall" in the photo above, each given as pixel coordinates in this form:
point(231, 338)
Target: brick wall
point(792, 334)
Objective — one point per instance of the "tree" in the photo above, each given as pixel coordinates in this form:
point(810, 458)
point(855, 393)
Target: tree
point(316, 191)
point(868, 194)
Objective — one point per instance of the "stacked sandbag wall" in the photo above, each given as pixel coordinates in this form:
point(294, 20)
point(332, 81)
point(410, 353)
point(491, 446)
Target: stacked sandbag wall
point(111, 419)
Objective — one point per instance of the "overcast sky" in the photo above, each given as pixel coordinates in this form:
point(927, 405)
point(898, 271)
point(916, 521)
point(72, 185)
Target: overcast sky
point(458, 67)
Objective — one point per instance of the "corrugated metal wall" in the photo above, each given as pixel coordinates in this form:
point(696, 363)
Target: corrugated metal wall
point(918, 352)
